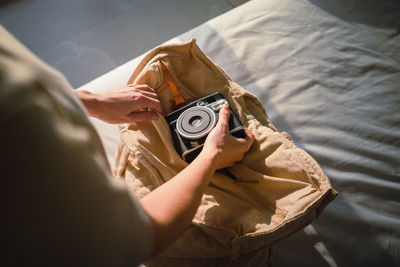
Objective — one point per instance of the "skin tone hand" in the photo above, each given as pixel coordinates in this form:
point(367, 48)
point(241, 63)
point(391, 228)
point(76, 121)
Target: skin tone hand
point(170, 216)
point(125, 104)
point(172, 206)
point(226, 148)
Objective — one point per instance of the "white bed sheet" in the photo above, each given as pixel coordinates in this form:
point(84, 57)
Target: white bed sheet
point(329, 74)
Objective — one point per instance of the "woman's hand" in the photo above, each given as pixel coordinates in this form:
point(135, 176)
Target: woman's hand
point(125, 104)
point(224, 148)
point(171, 216)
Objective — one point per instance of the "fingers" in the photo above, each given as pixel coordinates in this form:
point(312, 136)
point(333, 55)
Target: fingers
point(145, 97)
point(143, 87)
point(146, 90)
point(148, 102)
point(248, 140)
point(223, 120)
point(148, 93)
point(249, 134)
point(249, 137)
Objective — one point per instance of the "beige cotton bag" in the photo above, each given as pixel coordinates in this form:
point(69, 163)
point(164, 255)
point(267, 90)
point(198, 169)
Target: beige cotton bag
point(280, 188)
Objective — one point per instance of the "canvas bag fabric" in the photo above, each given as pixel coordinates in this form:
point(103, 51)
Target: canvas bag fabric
point(279, 190)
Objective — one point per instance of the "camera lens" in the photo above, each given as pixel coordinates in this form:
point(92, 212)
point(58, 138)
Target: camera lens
point(196, 122)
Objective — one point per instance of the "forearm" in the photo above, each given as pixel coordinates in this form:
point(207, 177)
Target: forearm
point(173, 205)
point(89, 100)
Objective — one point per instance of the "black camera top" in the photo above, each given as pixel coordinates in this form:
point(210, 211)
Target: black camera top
point(199, 102)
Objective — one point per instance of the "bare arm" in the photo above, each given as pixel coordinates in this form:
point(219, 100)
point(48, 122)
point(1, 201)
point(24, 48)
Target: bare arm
point(172, 206)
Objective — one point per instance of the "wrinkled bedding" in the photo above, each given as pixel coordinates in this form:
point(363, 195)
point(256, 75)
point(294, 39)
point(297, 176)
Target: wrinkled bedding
point(328, 73)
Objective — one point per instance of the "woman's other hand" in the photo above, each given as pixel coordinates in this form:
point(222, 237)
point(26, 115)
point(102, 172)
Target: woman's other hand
point(125, 104)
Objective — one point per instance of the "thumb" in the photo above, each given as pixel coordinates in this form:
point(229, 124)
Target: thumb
point(249, 137)
point(223, 120)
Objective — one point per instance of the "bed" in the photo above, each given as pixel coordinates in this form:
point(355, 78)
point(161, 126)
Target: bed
point(328, 73)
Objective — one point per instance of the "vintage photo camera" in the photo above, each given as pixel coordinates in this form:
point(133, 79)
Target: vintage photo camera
point(191, 124)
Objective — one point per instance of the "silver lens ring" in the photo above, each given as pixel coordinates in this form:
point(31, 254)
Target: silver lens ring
point(196, 122)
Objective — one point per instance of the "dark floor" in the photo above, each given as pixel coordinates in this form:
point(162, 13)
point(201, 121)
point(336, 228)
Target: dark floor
point(87, 38)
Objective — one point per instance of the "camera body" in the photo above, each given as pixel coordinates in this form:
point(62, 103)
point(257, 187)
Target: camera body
point(191, 124)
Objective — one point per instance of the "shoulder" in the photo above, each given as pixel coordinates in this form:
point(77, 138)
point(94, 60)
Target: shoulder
point(28, 83)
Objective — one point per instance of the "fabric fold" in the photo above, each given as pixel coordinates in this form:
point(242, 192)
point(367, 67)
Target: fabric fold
point(280, 189)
